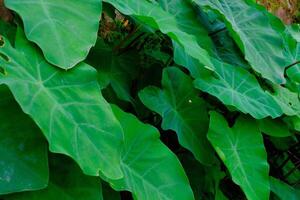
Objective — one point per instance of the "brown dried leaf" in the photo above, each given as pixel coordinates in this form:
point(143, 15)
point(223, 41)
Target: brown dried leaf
point(5, 14)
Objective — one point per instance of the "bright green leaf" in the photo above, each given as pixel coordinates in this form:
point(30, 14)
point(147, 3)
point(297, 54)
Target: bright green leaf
point(241, 148)
point(65, 30)
point(67, 106)
point(252, 30)
point(234, 86)
point(151, 170)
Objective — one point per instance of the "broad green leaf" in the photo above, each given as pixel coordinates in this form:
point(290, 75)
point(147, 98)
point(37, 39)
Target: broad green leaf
point(151, 170)
point(287, 100)
point(235, 86)
point(294, 31)
point(67, 106)
point(241, 148)
point(252, 30)
point(154, 16)
point(293, 45)
point(188, 21)
point(284, 191)
point(190, 63)
point(116, 70)
point(65, 30)
point(274, 127)
point(67, 182)
point(182, 111)
point(23, 151)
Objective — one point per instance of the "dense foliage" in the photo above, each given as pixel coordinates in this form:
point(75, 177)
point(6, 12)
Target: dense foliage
point(148, 99)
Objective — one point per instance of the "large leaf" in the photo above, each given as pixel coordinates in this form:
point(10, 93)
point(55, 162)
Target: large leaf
point(253, 32)
point(154, 16)
point(66, 182)
point(236, 87)
point(283, 190)
point(241, 148)
point(151, 170)
point(23, 151)
point(182, 111)
point(65, 30)
point(67, 106)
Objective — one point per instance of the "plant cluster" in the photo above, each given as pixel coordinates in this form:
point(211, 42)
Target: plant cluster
point(148, 99)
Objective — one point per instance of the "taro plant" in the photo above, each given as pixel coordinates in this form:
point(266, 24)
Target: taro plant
point(148, 100)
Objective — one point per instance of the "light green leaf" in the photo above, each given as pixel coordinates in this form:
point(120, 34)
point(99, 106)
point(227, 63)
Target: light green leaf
point(151, 170)
point(65, 30)
point(287, 100)
point(67, 182)
point(67, 106)
point(182, 111)
point(283, 190)
point(241, 148)
point(23, 151)
point(293, 45)
point(235, 86)
point(252, 30)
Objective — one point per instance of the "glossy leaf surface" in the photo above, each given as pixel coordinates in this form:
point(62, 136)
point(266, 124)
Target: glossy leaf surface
point(67, 106)
point(241, 148)
point(71, 26)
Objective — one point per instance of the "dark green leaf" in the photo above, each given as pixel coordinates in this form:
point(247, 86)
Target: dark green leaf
point(23, 150)
point(67, 182)
point(182, 111)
